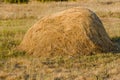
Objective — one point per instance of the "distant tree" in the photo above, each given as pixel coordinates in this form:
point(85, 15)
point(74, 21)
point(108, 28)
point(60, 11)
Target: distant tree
point(16, 1)
point(1, 1)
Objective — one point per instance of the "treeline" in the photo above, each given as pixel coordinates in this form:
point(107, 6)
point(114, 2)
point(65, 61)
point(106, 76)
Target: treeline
point(26, 1)
point(16, 1)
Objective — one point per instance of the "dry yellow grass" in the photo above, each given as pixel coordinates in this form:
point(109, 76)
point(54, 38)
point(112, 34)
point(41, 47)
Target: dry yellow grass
point(38, 10)
point(15, 20)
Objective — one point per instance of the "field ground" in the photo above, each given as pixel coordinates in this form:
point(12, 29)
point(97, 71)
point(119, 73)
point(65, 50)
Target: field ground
point(15, 20)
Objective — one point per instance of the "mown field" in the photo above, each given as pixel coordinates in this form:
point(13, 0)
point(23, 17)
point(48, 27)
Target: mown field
point(16, 19)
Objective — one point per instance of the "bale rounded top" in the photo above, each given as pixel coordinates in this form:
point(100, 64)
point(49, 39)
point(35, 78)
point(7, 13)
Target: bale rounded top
point(73, 31)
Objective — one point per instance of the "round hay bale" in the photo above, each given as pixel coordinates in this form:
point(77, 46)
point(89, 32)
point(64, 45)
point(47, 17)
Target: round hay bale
point(73, 31)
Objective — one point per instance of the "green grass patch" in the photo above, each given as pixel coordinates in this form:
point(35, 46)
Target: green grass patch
point(11, 34)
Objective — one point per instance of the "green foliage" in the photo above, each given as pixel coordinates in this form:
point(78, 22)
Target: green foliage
point(16, 1)
point(26, 1)
point(51, 0)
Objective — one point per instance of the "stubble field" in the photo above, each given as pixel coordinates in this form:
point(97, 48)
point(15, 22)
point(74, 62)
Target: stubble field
point(16, 19)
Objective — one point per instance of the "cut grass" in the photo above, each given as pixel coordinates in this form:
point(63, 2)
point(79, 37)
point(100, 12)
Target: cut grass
point(16, 65)
point(96, 66)
point(91, 67)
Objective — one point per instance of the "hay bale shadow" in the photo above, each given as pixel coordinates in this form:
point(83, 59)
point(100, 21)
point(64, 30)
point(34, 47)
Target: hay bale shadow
point(116, 40)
